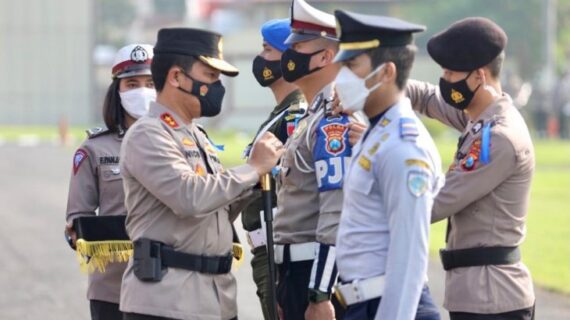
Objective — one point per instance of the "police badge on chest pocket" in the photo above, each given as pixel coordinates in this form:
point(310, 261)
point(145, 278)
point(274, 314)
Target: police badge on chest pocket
point(332, 152)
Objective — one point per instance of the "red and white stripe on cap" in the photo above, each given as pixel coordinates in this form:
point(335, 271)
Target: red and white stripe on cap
point(305, 18)
point(132, 60)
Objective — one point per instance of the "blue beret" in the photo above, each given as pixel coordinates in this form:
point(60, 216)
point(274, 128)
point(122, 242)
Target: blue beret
point(275, 32)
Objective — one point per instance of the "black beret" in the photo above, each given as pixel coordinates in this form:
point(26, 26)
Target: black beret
point(467, 44)
point(203, 44)
point(360, 33)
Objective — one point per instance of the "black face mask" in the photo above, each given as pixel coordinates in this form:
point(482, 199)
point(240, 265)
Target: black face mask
point(209, 95)
point(266, 72)
point(457, 94)
point(295, 65)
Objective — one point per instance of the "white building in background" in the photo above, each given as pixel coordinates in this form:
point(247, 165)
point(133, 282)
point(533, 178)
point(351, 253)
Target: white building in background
point(45, 62)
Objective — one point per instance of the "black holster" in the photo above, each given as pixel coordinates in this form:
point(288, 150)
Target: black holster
point(147, 260)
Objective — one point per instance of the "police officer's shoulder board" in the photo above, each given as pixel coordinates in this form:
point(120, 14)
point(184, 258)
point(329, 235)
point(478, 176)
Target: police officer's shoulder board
point(331, 152)
point(408, 129)
point(96, 132)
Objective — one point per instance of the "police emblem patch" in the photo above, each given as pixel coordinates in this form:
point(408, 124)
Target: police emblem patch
point(334, 134)
point(267, 74)
point(203, 90)
point(456, 96)
point(468, 163)
point(418, 182)
point(291, 65)
point(139, 55)
point(78, 158)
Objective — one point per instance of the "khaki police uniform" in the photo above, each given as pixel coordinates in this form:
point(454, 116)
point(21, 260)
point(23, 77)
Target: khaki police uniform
point(486, 201)
point(303, 214)
point(96, 188)
point(281, 122)
point(178, 193)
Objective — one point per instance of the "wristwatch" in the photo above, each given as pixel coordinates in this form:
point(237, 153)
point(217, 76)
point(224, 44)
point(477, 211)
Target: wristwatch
point(316, 296)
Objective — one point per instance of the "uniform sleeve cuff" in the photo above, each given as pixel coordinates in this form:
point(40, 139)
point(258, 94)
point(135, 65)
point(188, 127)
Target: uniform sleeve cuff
point(247, 174)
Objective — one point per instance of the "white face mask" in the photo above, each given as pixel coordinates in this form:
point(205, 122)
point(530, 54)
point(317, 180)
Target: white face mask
point(352, 90)
point(137, 101)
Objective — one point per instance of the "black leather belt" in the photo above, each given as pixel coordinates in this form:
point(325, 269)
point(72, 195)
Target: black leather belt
point(152, 258)
point(482, 256)
point(192, 262)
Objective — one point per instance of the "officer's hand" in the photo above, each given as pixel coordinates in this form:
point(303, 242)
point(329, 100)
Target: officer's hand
point(355, 131)
point(265, 153)
point(71, 232)
point(336, 106)
point(323, 310)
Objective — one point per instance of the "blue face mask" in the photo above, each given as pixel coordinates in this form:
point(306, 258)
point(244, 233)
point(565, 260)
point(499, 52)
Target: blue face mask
point(210, 95)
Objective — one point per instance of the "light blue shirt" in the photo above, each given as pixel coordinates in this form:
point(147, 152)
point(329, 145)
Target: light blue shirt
point(389, 189)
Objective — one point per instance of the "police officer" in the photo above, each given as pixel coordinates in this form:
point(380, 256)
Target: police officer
point(309, 185)
point(394, 175)
point(281, 122)
point(96, 180)
point(180, 200)
point(485, 197)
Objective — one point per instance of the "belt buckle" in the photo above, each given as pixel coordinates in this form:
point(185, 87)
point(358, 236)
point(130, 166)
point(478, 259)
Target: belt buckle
point(340, 297)
point(249, 241)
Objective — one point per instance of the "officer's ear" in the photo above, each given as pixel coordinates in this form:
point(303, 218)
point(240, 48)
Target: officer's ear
point(481, 75)
point(388, 74)
point(328, 56)
point(173, 77)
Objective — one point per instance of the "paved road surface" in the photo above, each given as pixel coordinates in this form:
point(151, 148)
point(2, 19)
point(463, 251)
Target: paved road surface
point(39, 277)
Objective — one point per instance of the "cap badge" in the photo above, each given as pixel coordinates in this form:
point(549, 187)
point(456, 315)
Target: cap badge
point(267, 73)
point(203, 90)
point(221, 48)
point(291, 65)
point(456, 96)
point(139, 54)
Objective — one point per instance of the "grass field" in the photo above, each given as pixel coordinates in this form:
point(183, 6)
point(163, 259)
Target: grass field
point(546, 250)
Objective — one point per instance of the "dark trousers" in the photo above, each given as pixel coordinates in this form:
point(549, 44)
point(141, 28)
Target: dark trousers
point(292, 289)
point(137, 316)
point(102, 310)
point(427, 310)
point(523, 314)
point(260, 270)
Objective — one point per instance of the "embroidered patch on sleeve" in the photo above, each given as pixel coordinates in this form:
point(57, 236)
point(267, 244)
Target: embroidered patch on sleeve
point(331, 152)
point(78, 158)
point(418, 182)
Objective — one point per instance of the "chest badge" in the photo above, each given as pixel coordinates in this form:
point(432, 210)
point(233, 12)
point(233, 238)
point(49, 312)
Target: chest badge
point(300, 128)
point(365, 163)
point(374, 148)
point(187, 142)
point(200, 170)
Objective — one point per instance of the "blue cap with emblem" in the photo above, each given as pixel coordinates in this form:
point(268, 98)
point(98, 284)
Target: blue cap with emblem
point(359, 33)
point(275, 32)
